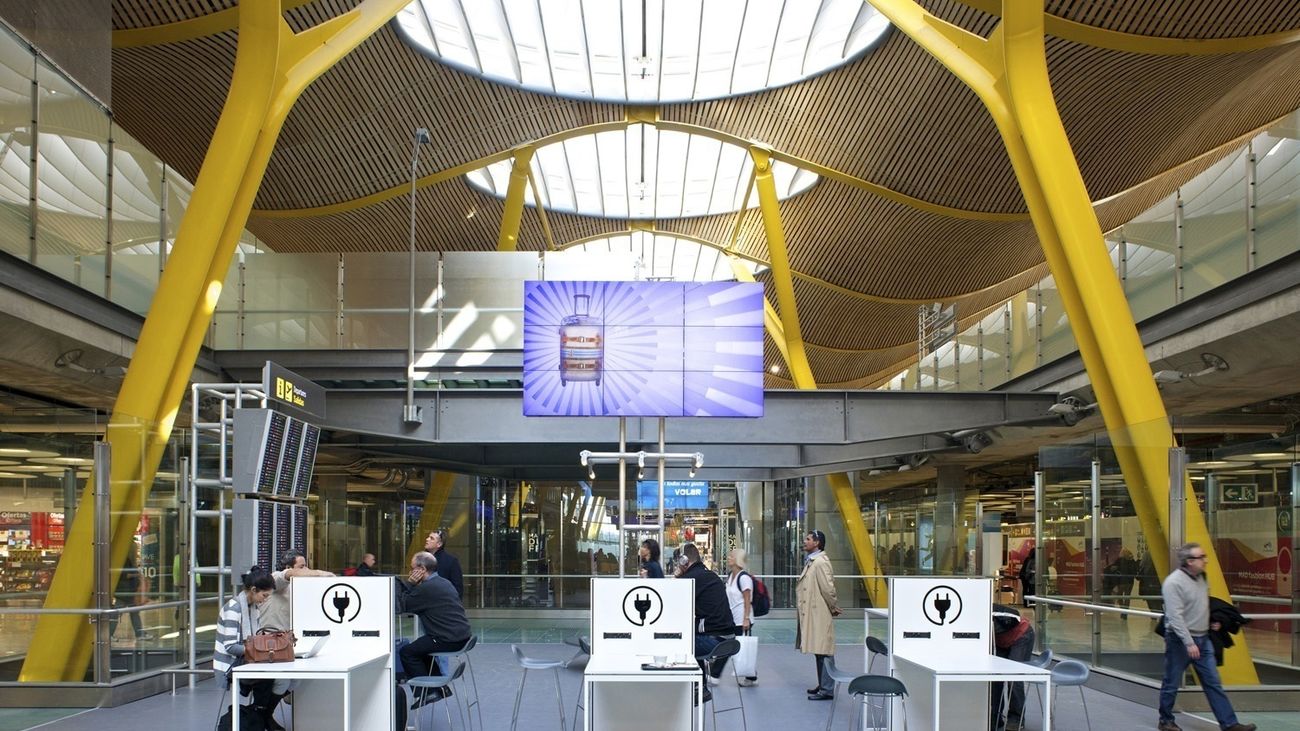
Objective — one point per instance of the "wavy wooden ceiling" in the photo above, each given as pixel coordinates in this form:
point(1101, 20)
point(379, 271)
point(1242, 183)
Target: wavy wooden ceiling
point(1140, 125)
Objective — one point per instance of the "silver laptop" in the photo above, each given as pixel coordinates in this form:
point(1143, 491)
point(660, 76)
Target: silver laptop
point(313, 650)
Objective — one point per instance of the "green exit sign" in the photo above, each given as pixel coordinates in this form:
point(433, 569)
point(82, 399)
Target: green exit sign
point(1246, 493)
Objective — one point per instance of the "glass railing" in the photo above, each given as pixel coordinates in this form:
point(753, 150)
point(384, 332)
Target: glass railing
point(1241, 213)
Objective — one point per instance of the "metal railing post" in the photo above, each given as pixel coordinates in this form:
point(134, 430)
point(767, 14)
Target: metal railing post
point(1177, 500)
point(102, 582)
point(1096, 560)
point(1040, 613)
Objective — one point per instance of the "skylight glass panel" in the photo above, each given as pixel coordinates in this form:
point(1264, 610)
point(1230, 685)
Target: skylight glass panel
point(641, 173)
point(665, 257)
point(618, 50)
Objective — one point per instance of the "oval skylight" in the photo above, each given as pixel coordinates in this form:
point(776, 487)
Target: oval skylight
point(616, 50)
point(642, 173)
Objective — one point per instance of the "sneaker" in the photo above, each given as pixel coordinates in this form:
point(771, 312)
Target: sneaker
point(1241, 727)
point(1168, 726)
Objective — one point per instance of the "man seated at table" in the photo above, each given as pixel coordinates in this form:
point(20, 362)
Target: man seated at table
point(1013, 636)
point(713, 618)
point(443, 625)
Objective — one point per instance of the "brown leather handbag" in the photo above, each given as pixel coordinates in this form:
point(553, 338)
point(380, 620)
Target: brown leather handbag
point(269, 645)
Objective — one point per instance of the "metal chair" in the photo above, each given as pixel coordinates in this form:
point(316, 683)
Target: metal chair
point(837, 677)
point(877, 649)
point(865, 688)
point(464, 651)
point(1071, 673)
point(720, 653)
point(583, 654)
point(535, 663)
point(1044, 659)
point(423, 685)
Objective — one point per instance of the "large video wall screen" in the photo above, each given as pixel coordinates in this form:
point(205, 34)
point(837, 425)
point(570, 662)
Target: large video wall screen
point(643, 349)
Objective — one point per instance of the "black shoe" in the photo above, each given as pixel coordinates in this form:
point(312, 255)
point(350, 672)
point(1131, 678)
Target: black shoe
point(708, 696)
point(425, 696)
point(812, 691)
point(820, 697)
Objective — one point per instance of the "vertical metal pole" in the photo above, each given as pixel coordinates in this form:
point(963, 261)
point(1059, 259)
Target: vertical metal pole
point(622, 494)
point(103, 584)
point(1177, 500)
point(187, 549)
point(1212, 504)
point(1178, 249)
point(410, 315)
point(1294, 530)
point(108, 216)
point(559, 567)
point(1251, 176)
point(1095, 554)
point(661, 485)
point(1040, 610)
point(978, 568)
point(221, 551)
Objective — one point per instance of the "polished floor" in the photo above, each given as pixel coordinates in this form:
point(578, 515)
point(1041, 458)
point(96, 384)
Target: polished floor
point(776, 702)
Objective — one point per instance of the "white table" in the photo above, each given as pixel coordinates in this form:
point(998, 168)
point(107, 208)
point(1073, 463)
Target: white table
point(337, 691)
point(924, 679)
point(620, 695)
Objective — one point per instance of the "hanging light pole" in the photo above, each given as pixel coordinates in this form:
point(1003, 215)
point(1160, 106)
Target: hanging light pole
point(411, 414)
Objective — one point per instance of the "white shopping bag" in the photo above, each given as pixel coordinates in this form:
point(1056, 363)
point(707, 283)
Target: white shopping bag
point(747, 659)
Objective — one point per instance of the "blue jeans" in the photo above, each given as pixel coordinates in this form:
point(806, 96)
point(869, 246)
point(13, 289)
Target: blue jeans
point(1176, 662)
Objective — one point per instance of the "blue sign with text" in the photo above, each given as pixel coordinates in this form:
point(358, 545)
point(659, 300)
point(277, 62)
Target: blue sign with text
point(678, 495)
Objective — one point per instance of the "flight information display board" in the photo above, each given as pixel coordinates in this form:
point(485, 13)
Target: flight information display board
point(274, 453)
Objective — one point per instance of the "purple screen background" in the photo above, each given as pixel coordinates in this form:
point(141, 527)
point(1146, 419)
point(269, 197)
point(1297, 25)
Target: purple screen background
point(645, 349)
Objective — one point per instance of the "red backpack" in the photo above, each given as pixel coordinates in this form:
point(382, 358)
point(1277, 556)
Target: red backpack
point(760, 602)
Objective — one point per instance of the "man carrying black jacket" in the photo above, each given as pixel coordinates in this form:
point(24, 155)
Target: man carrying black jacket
point(713, 621)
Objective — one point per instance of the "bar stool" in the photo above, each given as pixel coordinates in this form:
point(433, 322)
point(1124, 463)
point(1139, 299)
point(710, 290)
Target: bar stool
point(719, 654)
point(877, 649)
point(423, 685)
point(584, 654)
point(864, 688)
point(837, 677)
point(534, 663)
point(469, 664)
point(1072, 673)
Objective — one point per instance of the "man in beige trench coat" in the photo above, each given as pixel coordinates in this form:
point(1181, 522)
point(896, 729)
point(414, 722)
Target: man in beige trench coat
point(817, 606)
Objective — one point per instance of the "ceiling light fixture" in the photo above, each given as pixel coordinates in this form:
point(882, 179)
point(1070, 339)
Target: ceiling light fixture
point(1212, 363)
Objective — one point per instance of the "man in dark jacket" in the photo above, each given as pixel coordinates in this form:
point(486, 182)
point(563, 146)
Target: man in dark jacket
point(443, 623)
point(713, 620)
point(448, 565)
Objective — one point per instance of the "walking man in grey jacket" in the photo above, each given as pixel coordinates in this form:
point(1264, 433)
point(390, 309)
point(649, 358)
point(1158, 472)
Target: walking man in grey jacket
point(1187, 641)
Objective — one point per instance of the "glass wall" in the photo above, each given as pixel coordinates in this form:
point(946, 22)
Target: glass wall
point(44, 475)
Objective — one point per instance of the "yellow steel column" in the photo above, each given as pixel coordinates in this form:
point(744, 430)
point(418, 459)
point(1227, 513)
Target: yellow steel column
point(1008, 72)
point(771, 321)
point(272, 66)
point(508, 239)
point(1139, 426)
point(435, 502)
point(846, 498)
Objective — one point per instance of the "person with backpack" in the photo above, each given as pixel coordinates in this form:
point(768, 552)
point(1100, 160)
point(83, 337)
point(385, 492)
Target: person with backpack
point(740, 594)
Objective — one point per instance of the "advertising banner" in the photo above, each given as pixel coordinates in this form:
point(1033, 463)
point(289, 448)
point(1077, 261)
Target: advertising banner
point(643, 349)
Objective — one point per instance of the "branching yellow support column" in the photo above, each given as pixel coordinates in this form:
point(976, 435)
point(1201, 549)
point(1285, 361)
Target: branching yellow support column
point(272, 67)
point(508, 239)
point(787, 326)
point(1008, 71)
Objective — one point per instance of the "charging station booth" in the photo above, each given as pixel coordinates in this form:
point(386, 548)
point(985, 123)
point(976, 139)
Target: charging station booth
point(633, 622)
point(349, 683)
point(937, 624)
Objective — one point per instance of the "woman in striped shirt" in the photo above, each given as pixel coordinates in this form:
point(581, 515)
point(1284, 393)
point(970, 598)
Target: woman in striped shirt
point(241, 618)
